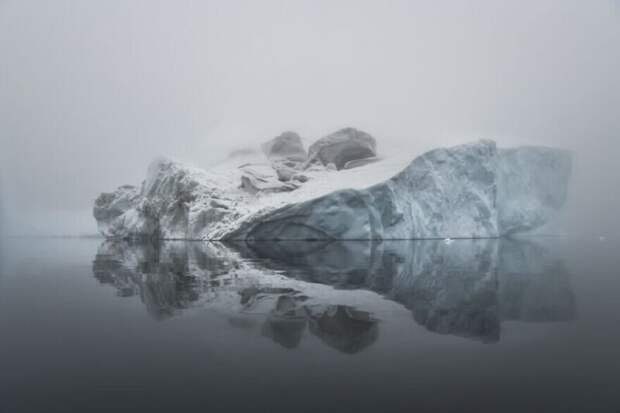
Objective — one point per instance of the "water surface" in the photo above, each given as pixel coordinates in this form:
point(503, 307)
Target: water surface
point(472, 325)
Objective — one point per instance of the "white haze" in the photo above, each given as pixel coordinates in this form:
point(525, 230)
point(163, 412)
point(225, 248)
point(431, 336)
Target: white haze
point(91, 91)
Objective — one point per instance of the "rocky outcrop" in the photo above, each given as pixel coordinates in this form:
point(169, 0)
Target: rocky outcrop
point(285, 147)
point(343, 146)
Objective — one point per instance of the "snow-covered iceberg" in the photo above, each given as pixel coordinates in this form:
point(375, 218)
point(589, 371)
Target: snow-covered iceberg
point(469, 191)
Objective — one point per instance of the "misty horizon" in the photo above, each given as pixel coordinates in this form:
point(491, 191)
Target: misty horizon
point(93, 92)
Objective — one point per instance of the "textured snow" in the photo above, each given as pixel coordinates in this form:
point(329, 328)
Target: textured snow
point(468, 191)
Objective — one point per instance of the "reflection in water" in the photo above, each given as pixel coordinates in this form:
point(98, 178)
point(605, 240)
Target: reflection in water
point(286, 322)
point(533, 286)
point(341, 327)
point(344, 328)
point(166, 277)
point(170, 277)
point(465, 288)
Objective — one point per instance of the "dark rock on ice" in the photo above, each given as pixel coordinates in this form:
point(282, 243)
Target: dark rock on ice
point(343, 146)
point(286, 146)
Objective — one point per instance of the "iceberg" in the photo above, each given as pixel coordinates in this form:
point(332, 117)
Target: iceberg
point(469, 191)
point(473, 190)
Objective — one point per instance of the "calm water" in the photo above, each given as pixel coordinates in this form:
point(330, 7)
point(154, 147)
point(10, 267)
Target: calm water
point(483, 326)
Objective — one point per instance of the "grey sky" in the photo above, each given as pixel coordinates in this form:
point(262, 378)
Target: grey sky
point(91, 91)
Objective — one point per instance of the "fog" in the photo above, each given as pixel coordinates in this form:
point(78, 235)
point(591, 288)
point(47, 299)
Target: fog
point(92, 91)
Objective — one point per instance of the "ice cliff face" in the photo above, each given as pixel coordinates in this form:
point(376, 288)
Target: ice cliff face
point(467, 191)
point(532, 186)
point(174, 202)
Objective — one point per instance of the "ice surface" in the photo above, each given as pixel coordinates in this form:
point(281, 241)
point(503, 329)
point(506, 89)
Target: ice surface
point(467, 191)
point(178, 201)
point(532, 186)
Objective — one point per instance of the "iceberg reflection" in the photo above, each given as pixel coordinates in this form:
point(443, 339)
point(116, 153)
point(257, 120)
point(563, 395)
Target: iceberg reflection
point(465, 288)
